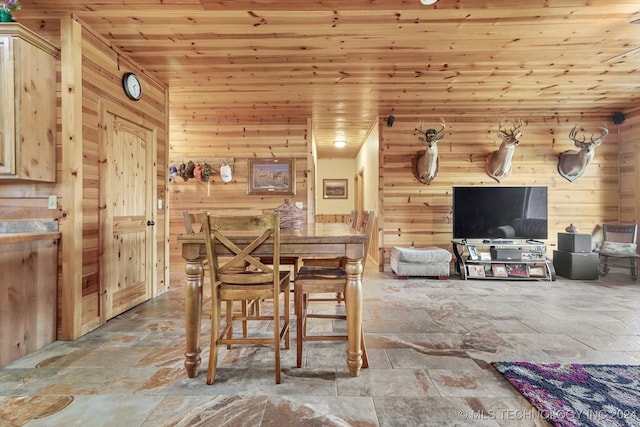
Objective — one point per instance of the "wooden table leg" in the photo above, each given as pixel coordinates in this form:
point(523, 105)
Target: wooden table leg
point(193, 308)
point(353, 302)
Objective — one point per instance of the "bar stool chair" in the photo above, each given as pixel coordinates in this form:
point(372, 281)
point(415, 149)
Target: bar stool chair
point(320, 280)
point(230, 281)
point(193, 223)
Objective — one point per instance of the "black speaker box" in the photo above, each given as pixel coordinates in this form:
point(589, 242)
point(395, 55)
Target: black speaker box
point(506, 254)
point(576, 265)
point(390, 121)
point(572, 242)
point(618, 118)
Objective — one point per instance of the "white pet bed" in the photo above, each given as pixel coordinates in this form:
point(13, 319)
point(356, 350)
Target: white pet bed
point(430, 261)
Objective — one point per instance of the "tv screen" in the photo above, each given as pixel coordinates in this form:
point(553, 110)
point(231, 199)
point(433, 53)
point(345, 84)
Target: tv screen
point(500, 213)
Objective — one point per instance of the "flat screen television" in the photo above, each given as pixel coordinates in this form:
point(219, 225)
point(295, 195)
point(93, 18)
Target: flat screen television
point(500, 213)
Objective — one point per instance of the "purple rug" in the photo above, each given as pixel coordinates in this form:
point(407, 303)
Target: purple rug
point(578, 395)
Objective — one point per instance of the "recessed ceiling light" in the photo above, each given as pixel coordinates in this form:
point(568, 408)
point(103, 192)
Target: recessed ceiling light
point(428, 2)
point(340, 144)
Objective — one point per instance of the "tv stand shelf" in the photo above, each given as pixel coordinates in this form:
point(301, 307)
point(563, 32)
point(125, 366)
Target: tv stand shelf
point(501, 259)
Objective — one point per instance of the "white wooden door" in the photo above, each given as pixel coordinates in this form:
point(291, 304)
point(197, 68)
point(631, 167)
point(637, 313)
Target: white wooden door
point(127, 215)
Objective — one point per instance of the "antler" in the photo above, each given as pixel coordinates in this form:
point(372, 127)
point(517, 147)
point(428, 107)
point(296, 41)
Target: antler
point(431, 135)
point(604, 131)
point(512, 134)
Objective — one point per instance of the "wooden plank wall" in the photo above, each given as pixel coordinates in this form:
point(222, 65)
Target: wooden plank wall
point(192, 135)
point(332, 219)
point(629, 204)
point(418, 214)
point(102, 79)
point(421, 215)
point(102, 69)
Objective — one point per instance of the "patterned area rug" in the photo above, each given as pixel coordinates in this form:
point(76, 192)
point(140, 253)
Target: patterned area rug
point(578, 395)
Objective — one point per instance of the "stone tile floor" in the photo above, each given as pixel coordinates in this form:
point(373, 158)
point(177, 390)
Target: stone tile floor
point(430, 344)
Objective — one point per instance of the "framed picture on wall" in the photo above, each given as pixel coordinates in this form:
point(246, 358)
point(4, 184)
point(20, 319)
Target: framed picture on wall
point(272, 176)
point(335, 189)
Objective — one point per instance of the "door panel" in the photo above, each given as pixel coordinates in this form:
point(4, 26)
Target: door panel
point(126, 194)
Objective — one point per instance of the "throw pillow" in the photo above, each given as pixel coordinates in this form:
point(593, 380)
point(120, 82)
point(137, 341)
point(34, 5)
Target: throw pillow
point(618, 248)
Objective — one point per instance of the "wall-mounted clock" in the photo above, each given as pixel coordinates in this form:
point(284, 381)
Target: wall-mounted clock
point(131, 85)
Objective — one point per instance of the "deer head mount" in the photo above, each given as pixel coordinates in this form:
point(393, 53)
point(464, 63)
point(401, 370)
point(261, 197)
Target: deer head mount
point(498, 164)
point(572, 163)
point(425, 163)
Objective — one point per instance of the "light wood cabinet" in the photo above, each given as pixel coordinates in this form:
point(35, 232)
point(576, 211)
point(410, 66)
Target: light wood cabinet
point(28, 293)
point(27, 105)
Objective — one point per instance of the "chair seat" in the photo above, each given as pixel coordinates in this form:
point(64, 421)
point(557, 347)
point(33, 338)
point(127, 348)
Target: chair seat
point(309, 273)
point(617, 255)
point(323, 262)
point(322, 280)
point(258, 290)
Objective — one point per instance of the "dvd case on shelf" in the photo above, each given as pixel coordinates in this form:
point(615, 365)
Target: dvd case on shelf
point(517, 270)
point(475, 270)
point(499, 270)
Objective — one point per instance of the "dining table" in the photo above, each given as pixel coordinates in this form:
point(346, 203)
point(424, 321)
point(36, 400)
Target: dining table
point(309, 240)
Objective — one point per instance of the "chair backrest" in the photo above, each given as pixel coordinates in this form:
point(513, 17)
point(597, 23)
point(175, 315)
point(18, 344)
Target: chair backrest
point(231, 243)
point(359, 217)
point(620, 233)
point(366, 226)
point(353, 218)
point(191, 219)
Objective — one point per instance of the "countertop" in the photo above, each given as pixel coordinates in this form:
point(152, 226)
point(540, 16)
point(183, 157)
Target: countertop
point(28, 231)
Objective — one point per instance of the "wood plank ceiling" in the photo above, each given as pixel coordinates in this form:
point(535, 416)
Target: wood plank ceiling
point(344, 63)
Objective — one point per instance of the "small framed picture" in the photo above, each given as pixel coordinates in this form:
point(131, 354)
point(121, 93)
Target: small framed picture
point(334, 189)
point(485, 256)
point(499, 270)
point(473, 253)
point(271, 176)
point(475, 270)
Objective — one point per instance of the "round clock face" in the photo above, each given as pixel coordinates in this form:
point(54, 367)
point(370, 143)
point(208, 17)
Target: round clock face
point(131, 86)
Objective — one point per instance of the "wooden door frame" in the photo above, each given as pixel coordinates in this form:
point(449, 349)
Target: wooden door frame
point(107, 107)
point(358, 180)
